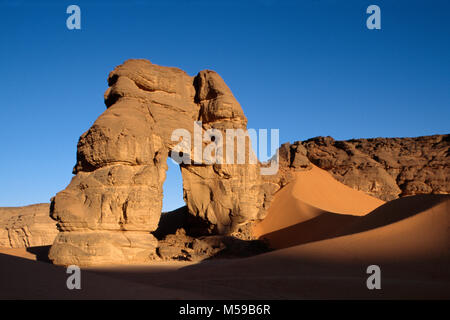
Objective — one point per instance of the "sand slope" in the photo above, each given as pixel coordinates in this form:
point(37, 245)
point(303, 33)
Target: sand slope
point(311, 194)
point(316, 207)
point(327, 240)
point(408, 238)
point(412, 253)
point(412, 250)
point(411, 229)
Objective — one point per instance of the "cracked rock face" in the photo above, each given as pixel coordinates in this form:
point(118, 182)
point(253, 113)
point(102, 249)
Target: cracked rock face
point(386, 168)
point(30, 226)
point(106, 213)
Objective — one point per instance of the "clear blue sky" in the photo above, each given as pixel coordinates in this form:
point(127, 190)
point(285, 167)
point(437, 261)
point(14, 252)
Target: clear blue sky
point(308, 68)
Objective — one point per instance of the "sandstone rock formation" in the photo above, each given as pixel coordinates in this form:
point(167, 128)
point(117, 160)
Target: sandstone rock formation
point(180, 246)
point(106, 213)
point(28, 226)
point(386, 168)
point(110, 211)
point(179, 239)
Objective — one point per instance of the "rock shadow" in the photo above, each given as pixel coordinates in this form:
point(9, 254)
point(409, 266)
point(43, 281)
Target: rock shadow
point(41, 253)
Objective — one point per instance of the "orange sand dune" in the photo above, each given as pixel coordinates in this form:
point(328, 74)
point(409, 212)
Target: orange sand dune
point(415, 229)
point(412, 250)
point(323, 226)
point(405, 215)
point(327, 235)
point(408, 238)
point(311, 194)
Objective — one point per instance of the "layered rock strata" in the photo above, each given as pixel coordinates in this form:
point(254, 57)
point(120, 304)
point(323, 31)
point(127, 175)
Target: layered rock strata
point(106, 213)
point(386, 168)
point(23, 227)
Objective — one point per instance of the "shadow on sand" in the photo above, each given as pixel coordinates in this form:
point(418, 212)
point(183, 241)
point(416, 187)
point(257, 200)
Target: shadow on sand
point(41, 253)
point(331, 225)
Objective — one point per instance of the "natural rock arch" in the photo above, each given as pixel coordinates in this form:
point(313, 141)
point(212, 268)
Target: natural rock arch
point(114, 201)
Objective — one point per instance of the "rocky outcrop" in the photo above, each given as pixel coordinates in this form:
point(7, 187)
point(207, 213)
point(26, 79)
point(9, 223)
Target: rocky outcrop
point(28, 226)
point(106, 213)
point(180, 246)
point(110, 211)
point(386, 168)
point(180, 239)
point(223, 195)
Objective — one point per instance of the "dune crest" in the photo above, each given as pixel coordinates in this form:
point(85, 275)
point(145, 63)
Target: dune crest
point(310, 194)
point(419, 236)
point(317, 217)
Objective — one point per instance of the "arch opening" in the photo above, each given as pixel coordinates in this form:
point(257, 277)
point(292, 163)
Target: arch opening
point(172, 187)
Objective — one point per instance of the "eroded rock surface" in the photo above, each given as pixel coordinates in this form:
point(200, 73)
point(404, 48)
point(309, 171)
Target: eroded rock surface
point(110, 211)
point(30, 226)
point(179, 239)
point(180, 246)
point(107, 212)
point(386, 168)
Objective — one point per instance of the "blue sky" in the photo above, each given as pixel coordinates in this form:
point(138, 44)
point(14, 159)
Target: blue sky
point(309, 68)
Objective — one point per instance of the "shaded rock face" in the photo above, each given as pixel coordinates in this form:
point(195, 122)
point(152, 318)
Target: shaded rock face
point(180, 246)
point(106, 213)
point(30, 226)
point(386, 168)
point(179, 239)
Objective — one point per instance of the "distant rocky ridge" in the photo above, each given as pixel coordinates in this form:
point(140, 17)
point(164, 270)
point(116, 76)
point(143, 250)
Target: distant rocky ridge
point(386, 168)
point(26, 226)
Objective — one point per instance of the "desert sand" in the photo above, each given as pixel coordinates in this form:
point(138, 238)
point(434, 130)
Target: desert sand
point(314, 194)
point(328, 234)
point(408, 238)
point(19, 252)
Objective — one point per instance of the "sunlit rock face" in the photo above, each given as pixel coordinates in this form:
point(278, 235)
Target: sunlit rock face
point(106, 213)
point(23, 227)
point(386, 168)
